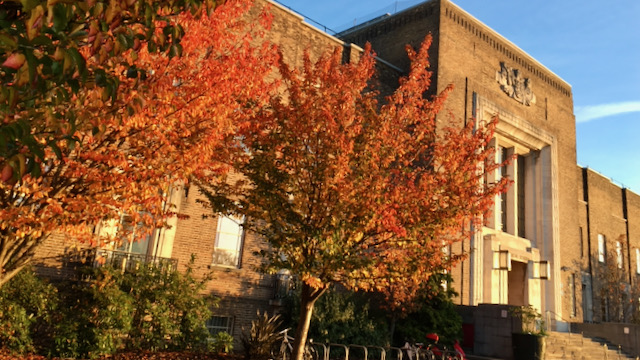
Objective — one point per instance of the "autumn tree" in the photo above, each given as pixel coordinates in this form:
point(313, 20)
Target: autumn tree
point(50, 51)
point(347, 190)
point(617, 295)
point(102, 153)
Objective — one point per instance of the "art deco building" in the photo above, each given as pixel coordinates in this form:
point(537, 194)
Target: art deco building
point(546, 241)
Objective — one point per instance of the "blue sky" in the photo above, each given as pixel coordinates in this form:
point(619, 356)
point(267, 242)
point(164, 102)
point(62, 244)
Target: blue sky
point(593, 45)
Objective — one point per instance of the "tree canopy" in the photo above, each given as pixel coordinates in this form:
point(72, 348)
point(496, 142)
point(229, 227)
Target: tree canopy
point(103, 152)
point(347, 190)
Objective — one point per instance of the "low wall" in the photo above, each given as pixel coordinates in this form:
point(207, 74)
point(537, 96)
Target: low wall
point(493, 326)
point(625, 335)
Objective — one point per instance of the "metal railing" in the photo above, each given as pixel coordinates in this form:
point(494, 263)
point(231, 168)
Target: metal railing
point(122, 260)
point(332, 351)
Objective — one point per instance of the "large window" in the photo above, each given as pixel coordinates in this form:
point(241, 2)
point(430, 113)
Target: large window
point(501, 206)
point(514, 210)
point(619, 254)
point(137, 246)
point(602, 248)
point(228, 242)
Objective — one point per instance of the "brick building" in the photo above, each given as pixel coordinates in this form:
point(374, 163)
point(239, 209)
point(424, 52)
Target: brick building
point(542, 245)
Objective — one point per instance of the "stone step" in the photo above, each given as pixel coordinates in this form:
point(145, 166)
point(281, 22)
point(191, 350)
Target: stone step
point(565, 346)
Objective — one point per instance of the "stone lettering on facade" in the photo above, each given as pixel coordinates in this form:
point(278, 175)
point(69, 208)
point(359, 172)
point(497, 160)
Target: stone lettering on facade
point(515, 85)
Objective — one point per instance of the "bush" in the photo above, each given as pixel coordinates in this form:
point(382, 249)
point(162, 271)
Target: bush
point(14, 327)
point(170, 311)
point(263, 337)
point(221, 342)
point(26, 305)
point(97, 317)
point(436, 315)
point(149, 309)
point(342, 317)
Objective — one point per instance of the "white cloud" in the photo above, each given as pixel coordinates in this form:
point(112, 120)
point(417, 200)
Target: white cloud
point(591, 112)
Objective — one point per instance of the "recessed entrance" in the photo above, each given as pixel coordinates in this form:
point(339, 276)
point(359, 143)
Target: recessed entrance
point(517, 281)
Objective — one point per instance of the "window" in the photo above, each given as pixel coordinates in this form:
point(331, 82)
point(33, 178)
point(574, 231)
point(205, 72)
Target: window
point(581, 243)
point(602, 248)
point(218, 324)
point(228, 244)
point(619, 254)
point(501, 205)
point(138, 246)
point(637, 261)
point(572, 289)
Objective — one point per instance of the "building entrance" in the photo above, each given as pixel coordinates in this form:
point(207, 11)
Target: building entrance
point(517, 280)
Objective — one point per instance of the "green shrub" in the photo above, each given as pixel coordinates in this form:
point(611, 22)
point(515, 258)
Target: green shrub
point(436, 314)
point(343, 317)
point(148, 309)
point(96, 317)
point(14, 327)
point(26, 306)
point(221, 342)
point(170, 310)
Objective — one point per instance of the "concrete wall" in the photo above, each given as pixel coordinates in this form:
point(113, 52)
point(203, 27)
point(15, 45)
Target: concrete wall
point(493, 326)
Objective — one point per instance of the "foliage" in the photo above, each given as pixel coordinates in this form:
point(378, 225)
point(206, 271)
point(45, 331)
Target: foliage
point(349, 191)
point(262, 338)
point(27, 305)
point(53, 51)
point(97, 317)
point(106, 313)
point(221, 342)
point(435, 313)
point(612, 284)
point(93, 139)
point(342, 317)
point(170, 310)
point(14, 327)
point(532, 322)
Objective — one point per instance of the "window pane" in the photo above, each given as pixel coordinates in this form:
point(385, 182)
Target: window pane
point(601, 248)
point(228, 241)
point(217, 324)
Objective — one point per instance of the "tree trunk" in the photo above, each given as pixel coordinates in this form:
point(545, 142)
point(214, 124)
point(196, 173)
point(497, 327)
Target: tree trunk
point(307, 300)
point(392, 326)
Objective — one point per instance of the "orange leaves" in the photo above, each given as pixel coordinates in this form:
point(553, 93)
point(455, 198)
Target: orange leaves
point(169, 122)
point(353, 192)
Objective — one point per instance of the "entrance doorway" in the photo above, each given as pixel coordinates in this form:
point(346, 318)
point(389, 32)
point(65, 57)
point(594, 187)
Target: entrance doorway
point(517, 281)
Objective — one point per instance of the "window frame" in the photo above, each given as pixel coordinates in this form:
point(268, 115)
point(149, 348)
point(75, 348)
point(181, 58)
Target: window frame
point(237, 252)
point(216, 329)
point(602, 249)
point(619, 255)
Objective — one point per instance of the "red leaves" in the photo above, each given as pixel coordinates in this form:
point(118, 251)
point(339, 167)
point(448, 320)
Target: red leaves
point(357, 193)
point(14, 61)
point(169, 123)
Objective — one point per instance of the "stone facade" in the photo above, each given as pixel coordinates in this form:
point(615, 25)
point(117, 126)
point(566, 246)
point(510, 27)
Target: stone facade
point(493, 77)
point(547, 224)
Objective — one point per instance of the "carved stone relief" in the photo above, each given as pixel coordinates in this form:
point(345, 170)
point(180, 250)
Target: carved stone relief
point(515, 85)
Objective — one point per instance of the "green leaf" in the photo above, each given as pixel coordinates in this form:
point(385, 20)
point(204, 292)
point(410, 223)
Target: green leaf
point(80, 62)
point(124, 41)
point(28, 5)
point(7, 43)
point(42, 40)
point(60, 17)
point(152, 46)
point(56, 149)
point(32, 63)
